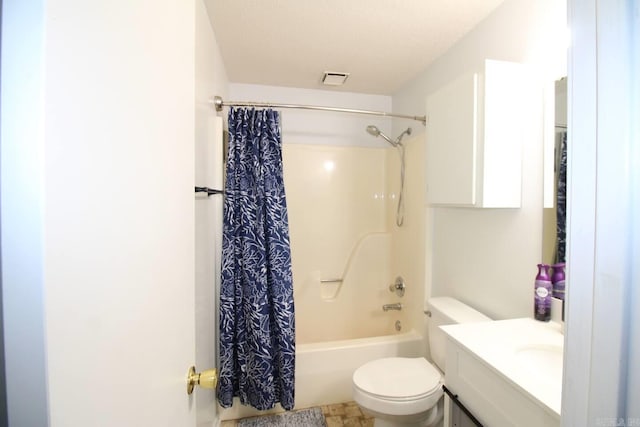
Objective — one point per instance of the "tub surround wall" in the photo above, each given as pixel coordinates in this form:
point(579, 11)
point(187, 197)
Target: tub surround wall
point(487, 258)
point(336, 202)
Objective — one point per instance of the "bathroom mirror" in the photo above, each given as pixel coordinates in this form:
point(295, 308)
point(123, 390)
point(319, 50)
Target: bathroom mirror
point(554, 216)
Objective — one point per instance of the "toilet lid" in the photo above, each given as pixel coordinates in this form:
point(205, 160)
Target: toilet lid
point(397, 377)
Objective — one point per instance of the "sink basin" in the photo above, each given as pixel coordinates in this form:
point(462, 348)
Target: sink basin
point(547, 357)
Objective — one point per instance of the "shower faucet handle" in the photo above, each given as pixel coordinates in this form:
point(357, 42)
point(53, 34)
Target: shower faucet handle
point(398, 286)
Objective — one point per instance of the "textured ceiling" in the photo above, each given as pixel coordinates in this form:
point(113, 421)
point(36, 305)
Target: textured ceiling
point(382, 43)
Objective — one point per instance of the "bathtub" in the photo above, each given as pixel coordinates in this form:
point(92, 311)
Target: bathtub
point(324, 370)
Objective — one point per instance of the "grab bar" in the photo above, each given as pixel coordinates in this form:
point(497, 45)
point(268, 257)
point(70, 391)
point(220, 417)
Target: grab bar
point(330, 280)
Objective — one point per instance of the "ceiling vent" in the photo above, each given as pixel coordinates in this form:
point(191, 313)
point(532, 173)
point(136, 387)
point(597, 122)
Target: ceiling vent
point(332, 78)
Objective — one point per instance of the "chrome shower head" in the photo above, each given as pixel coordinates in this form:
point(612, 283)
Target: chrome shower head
point(373, 130)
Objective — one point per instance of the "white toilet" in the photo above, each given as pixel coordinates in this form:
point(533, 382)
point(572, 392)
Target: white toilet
point(407, 392)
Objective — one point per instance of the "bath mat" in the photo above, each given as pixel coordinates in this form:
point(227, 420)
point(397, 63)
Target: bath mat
point(312, 417)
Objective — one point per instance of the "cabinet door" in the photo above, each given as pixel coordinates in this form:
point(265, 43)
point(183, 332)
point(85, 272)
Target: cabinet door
point(452, 143)
point(505, 105)
point(474, 138)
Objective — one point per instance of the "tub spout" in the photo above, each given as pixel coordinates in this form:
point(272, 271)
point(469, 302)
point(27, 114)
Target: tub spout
point(396, 306)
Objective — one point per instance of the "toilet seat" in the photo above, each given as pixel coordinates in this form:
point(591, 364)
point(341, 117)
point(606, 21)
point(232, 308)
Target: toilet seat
point(398, 385)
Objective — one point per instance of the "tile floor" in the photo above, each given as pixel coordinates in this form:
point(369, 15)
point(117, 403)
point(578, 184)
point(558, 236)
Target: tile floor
point(346, 414)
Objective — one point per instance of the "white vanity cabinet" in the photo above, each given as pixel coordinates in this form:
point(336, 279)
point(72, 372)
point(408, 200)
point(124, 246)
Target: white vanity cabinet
point(475, 131)
point(506, 372)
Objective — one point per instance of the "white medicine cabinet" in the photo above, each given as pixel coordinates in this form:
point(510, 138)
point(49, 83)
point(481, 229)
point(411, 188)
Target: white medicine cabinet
point(475, 127)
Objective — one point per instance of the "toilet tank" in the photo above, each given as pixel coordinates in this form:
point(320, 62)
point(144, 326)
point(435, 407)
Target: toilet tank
point(447, 311)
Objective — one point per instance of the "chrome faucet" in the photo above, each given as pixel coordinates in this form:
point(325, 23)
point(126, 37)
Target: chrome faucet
point(396, 306)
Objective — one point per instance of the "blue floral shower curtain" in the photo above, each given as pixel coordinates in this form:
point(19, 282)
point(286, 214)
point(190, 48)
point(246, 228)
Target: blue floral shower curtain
point(257, 327)
point(561, 202)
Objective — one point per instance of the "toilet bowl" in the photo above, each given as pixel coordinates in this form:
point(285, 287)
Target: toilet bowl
point(407, 392)
point(399, 390)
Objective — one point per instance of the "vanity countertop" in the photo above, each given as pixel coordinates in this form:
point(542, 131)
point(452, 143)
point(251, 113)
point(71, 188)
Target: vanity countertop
point(525, 352)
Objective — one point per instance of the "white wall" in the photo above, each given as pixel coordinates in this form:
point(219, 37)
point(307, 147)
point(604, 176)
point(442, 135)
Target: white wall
point(211, 79)
point(488, 258)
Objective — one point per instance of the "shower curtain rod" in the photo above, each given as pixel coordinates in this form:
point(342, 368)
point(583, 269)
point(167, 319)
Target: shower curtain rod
point(218, 103)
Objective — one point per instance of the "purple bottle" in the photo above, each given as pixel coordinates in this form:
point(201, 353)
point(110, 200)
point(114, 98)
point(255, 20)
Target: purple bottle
point(557, 280)
point(542, 298)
